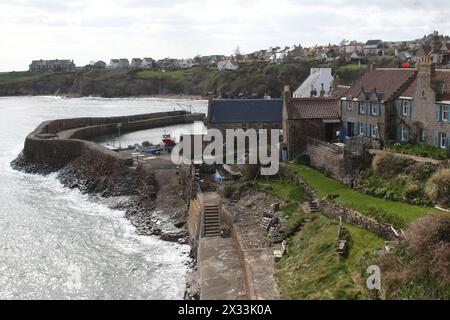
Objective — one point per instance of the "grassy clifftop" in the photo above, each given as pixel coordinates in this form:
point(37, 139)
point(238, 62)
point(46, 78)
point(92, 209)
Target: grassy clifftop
point(250, 80)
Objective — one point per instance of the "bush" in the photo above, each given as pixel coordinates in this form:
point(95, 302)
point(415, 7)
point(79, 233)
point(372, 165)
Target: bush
point(388, 165)
point(419, 268)
point(429, 244)
point(421, 150)
point(438, 187)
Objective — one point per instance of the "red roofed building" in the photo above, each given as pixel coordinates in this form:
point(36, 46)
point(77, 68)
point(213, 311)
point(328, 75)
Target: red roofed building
point(316, 117)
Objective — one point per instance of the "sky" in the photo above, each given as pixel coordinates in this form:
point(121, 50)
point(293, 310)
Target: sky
point(91, 30)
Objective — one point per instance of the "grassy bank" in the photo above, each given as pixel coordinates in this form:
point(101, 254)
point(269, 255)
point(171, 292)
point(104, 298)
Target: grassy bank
point(380, 209)
point(312, 269)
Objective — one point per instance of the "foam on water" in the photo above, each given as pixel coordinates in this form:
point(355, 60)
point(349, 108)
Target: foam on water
point(57, 243)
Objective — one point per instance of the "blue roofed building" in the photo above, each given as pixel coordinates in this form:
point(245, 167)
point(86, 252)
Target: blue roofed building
point(245, 113)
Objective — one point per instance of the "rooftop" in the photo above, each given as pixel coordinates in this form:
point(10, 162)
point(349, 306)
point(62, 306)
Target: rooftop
point(246, 110)
point(313, 108)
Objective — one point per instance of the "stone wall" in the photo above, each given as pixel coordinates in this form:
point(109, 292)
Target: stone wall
point(258, 283)
point(333, 160)
point(55, 143)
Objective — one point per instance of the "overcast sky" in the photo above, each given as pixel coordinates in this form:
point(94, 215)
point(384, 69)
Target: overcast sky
point(86, 30)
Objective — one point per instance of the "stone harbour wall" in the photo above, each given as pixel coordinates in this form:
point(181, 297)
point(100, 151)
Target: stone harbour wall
point(57, 142)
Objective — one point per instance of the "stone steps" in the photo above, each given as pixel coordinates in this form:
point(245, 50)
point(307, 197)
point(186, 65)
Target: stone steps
point(211, 221)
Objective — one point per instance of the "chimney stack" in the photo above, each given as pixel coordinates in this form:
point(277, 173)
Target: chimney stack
point(322, 90)
point(287, 93)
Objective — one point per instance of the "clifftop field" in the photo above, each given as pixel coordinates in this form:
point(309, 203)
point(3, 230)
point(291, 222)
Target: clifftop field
point(250, 80)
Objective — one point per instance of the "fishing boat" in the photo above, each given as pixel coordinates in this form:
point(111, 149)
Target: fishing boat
point(167, 140)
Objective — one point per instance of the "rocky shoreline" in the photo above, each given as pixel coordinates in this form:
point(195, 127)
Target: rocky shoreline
point(148, 210)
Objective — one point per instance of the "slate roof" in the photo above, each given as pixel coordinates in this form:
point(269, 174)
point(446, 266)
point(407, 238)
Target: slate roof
point(373, 42)
point(441, 81)
point(246, 110)
point(313, 108)
point(386, 82)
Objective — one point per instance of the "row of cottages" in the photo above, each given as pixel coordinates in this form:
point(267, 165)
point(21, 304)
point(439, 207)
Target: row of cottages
point(298, 118)
point(438, 48)
point(52, 66)
point(145, 63)
point(400, 105)
point(227, 65)
point(119, 64)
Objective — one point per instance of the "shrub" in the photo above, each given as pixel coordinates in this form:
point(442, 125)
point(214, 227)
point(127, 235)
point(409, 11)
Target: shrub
point(421, 171)
point(429, 244)
point(438, 187)
point(388, 165)
point(421, 150)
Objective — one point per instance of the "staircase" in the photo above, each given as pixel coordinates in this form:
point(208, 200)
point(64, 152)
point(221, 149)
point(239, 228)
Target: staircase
point(313, 206)
point(211, 221)
point(264, 224)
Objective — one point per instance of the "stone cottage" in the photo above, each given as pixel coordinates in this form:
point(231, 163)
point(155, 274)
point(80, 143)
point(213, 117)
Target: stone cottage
point(316, 117)
point(244, 114)
point(400, 105)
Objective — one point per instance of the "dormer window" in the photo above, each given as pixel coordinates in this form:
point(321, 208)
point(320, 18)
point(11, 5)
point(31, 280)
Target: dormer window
point(362, 108)
point(406, 108)
point(375, 108)
point(445, 113)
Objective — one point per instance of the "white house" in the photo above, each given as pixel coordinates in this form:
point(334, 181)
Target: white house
point(278, 57)
point(119, 64)
point(226, 65)
point(136, 63)
point(147, 63)
point(319, 83)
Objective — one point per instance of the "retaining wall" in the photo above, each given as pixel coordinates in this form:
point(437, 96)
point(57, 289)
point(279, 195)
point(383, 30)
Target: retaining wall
point(332, 159)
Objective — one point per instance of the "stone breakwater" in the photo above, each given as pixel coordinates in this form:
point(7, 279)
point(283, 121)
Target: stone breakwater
point(61, 145)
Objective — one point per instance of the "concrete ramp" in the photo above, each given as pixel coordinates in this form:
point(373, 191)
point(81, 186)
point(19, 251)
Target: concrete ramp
point(221, 275)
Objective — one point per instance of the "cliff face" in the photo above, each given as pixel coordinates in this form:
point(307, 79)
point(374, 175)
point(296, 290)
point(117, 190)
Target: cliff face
point(250, 80)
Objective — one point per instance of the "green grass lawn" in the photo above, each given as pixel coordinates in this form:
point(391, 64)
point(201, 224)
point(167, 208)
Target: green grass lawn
point(354, 67)
point(312, 269)
point(366, 204)
point(9, 76)
point(147, 74)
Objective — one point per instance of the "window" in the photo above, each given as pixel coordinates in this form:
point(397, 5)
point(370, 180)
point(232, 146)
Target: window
point(361, 129)
point(362, 108)
point(406, 108)
point(404, 131)
point(375, 131)
point(445, 113)
point(375, 108)
point(422, 135)
point(443, 140)
point(349, 105)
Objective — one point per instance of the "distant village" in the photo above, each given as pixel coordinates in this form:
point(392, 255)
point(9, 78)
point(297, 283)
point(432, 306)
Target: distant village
point(408, 54)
